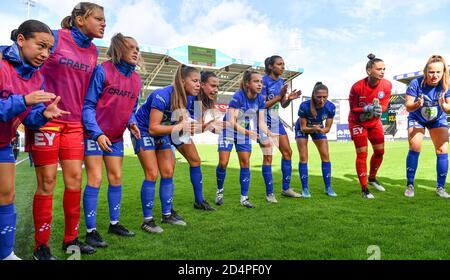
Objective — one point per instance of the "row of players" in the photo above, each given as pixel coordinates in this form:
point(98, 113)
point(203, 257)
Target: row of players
point(89, 106)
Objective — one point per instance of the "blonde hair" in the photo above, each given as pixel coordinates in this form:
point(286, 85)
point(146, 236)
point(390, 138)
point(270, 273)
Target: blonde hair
point(118, 48)
point(179, 96)
point(445, 77)
point(246, 78)
point(83, 9)
point(312, 106)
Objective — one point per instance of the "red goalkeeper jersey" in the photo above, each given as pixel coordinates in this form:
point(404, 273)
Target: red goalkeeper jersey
point(363, 94)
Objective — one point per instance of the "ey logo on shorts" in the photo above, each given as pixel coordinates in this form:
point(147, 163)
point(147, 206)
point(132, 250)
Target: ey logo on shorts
point(357, 130)
point(44, 138)
point(91, 145)
point(148, 141)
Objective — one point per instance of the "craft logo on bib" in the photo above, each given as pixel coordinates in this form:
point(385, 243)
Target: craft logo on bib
point(380, 94)
point(429, 113)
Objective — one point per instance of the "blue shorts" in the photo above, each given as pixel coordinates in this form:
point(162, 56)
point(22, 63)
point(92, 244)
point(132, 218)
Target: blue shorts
point(278, 130)
point(6, 154)
point(314, 136)
point(91, 148)
point(226, 144)
point(442, 122)
point(148, 142)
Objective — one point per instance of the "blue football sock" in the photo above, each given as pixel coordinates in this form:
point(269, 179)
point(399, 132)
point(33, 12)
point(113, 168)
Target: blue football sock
point(303, 170)
point(286, 170)
point(197, 183)
point(326, 173)
point(412, 160)
point(220, 175)
point(148, 198)
point(267, 175)
point(441, 169)
point(166, 195)
point(7, 229)
point(244, 179)
point(90, 201)
point(114, 200)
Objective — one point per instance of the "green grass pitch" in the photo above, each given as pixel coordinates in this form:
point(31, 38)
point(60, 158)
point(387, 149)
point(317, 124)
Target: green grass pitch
point(295, 229)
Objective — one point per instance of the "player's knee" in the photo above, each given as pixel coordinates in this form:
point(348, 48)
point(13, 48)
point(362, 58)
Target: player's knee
point(166, 172)
point(267, 160)
point(244, 163)
point(378, 152)
point(115, 178)
point(223, 163)
point(47, 186)
point(7, 196)
point(194, 161)
point(74, 179)
point(94, 180)
point(325, 157)
point(151, 174)
point(303, 158)
point(286, 153)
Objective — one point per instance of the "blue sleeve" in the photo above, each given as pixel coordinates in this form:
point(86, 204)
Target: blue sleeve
point(303, 111)
point(159, 102)
point(264, 90)
point(55, 35)
point(235, 102)
point(331, 111)
point(447, 94)
point(90, 102)
point(36, 118)
point(11, 107)
point(262, 102)
point(413, 88)
point(133, 114)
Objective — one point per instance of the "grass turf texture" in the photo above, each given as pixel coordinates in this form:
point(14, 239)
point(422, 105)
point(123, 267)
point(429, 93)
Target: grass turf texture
point(317, 228)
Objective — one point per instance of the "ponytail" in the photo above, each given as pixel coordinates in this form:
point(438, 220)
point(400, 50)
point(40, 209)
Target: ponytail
point(83, 9)
point(28, 28)
point(179, 95)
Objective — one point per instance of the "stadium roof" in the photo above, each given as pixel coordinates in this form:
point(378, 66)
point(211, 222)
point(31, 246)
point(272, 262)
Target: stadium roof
point(161, 64)
point(408, 77)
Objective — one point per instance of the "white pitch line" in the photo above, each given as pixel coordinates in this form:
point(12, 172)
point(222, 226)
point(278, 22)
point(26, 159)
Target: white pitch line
point(19, 162)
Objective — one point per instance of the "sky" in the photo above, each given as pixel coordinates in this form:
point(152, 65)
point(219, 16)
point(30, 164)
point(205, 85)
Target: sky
point(330, 40)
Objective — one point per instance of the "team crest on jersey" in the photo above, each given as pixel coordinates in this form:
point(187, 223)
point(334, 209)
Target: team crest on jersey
point(380, 94)
point(429, 113)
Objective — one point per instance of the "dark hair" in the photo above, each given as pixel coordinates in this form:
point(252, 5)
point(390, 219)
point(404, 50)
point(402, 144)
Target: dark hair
point(29, 27)
point(247, 77)
point(205, 75)
point(270, 61)
point(318, 86)
point(83, 9)
point(206, 102)
point(372, 60)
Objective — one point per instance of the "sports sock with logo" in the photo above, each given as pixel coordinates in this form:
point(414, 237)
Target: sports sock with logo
point(114, 201)
point(148, 198)
point(90, 201)
point(267, 175)
point(286, 170)
point(197, 183)
point(7, 229)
